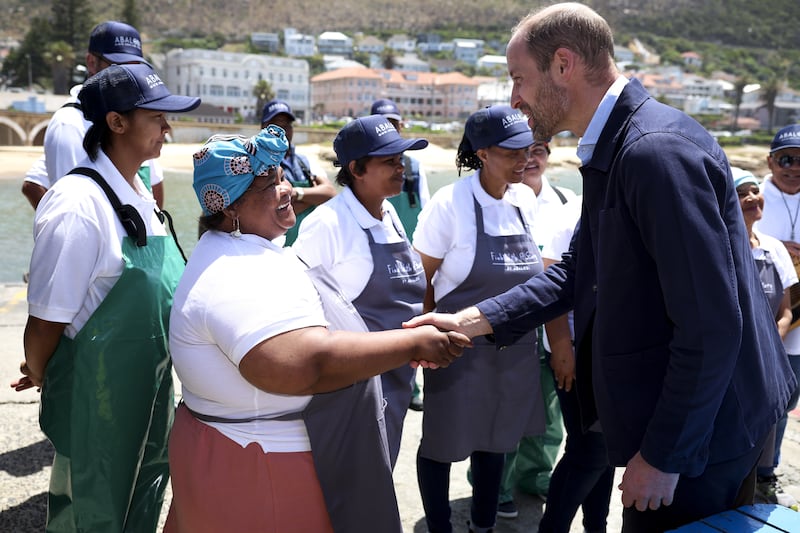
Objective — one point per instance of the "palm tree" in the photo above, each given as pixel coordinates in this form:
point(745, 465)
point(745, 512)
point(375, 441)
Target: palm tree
point(263, 92)
point(738, 88)
point(770, 90)
point(388, 59)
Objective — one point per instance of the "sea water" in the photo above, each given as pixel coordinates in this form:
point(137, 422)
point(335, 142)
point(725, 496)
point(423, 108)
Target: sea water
point(16, 237)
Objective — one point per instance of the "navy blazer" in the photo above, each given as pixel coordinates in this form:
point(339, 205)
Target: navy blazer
point(677, 350)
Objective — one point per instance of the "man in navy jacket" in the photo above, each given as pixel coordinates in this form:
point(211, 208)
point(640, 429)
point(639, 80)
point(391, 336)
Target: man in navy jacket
point(678, 356)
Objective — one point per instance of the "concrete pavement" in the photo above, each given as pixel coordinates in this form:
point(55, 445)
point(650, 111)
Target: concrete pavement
point(26, 455)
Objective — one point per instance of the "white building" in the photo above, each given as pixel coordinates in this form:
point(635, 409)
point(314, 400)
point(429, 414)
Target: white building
point(335, 43)
point(468, 50)
point(265, 42)
point(411, 63)
point(497, 65)
point(402, 43)
point(297, 44)
point(226, 79)
point(371, 45)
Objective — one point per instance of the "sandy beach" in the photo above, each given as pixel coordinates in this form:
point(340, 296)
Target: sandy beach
point(16, 160)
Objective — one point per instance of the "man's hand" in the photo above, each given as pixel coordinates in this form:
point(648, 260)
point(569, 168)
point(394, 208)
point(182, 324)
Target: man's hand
point(469, 322)
point(563, 365)
point(646, 487)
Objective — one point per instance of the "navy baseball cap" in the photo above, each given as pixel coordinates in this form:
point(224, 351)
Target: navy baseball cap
point(788, 137)
point(371, 136)
point(116, 42)
point(387, 108)
point(123, 88)
point(273, 108)
point(498, 125)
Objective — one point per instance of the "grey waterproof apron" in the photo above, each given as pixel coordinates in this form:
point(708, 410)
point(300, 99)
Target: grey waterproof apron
point(347, 435)
point(107, 401)
point(392, 295)
point(770, 281)
point(487, 399)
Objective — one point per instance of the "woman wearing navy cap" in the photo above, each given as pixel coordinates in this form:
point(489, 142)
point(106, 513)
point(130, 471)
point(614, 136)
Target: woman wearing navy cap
point(358, 237)
point(475, 240)
point(102, 275)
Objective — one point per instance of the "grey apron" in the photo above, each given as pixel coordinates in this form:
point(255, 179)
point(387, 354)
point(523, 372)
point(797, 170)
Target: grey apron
point(485, 400)
point(393, 294)
point(773, 289)
point(347, 435)
point(770, 281)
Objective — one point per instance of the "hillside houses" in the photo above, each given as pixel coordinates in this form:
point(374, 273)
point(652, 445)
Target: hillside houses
point(427, 88)
point(350, 92)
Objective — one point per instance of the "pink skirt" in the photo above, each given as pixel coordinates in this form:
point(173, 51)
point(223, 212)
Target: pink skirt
point(219, 486)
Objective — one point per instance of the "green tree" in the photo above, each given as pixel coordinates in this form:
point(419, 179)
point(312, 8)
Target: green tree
point(316, 65)
point(73, 22)
point(30, 53)
point(388, 59)
point(60, 57)
point(738, 92)
point(263, 93)
point(130, 13)
point(769, 93)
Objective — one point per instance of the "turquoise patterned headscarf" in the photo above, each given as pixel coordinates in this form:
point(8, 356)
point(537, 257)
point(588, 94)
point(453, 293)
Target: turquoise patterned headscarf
point(226, 165)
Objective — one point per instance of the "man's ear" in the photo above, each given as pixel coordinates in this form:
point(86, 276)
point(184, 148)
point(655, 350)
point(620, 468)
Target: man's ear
point(564, 64)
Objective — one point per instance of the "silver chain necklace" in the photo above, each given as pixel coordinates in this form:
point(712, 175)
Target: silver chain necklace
point(793, 220)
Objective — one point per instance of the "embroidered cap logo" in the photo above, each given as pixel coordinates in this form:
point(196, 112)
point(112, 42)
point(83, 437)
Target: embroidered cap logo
point(153, 81)
point(123, 40)
point(384, 128)
point(511, 120)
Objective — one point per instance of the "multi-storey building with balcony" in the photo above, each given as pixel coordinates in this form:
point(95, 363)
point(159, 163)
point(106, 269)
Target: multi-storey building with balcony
point(424, 95)
point(227, 79)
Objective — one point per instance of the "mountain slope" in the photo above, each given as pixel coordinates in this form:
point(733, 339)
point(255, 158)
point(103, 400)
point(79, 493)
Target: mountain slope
point(752, 23)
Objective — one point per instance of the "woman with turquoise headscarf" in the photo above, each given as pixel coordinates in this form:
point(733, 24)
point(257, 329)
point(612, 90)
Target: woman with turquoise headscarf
point(102, 275)
point(281, 427)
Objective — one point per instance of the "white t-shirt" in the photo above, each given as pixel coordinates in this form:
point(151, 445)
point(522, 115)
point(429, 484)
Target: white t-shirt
point(235, 294)
point(156, 171)
point(555, 223)
point(333, 236)
point(424, 189)
point(776, 222)
point(552, 219)
point(77, 248)
point(63, 139)
point(38, 173)
point(446, 228)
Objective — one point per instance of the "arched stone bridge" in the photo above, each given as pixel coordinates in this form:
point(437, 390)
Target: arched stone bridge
point(18, 128)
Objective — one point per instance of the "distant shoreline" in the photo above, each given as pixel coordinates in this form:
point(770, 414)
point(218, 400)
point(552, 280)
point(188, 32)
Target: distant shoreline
point(177, 157)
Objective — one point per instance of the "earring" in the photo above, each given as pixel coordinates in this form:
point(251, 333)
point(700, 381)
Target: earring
point(236, 234)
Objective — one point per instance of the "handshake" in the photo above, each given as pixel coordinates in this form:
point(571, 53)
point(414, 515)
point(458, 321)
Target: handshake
point(453, 332)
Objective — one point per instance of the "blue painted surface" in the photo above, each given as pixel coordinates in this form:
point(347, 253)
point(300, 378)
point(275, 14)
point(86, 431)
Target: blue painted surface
point(762, 518)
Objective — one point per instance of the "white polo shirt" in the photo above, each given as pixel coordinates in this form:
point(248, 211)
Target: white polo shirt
point(779, 218)
point(77, 244)
point(334, 236)
point(446, 228)
point(63, 139)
